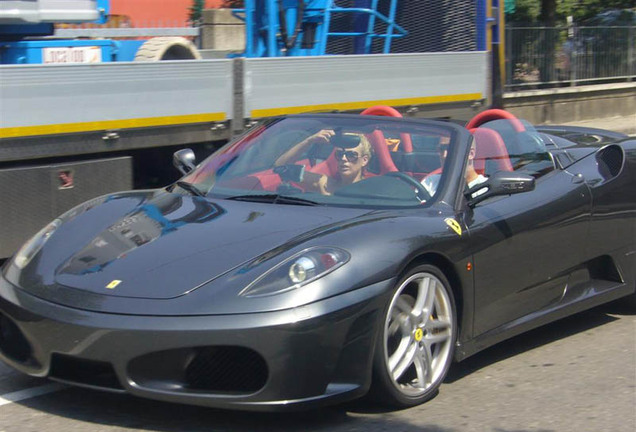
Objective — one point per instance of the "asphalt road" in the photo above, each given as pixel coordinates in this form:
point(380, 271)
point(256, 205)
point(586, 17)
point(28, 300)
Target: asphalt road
point(578, 374)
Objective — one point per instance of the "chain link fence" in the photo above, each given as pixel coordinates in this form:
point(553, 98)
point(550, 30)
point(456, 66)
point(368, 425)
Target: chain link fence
point(543, 57)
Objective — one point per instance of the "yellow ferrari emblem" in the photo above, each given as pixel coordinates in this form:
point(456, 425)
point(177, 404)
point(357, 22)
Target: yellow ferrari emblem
point(454, 225)
point(419, 334)
point(113, 284)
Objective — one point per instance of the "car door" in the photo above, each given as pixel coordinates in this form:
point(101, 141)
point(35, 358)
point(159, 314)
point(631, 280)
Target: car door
point(524, 247)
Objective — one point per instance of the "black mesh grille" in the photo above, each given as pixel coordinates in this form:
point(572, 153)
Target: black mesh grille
point(217, 369)
point(226, 369)
point(432, 25)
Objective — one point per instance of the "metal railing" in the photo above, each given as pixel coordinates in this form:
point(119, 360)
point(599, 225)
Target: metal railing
point(544, 57)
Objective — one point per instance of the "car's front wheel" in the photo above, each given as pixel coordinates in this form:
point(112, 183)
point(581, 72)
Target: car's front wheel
point(416, 341)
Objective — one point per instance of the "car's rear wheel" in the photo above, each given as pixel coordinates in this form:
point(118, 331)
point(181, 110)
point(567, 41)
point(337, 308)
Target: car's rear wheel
point(416, 341)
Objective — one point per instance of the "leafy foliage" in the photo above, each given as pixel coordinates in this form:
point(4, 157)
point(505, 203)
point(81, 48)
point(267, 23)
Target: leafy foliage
point(196, 12)
point(530, 11)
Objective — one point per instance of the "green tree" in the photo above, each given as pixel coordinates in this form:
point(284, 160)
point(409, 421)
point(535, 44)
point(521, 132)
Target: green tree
point(525, 11)
point(548, 18)
point(196, 12)
point(555, 12)
point(586, 9)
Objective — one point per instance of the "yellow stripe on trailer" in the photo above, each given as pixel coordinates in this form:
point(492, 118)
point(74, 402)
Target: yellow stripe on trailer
point(67, 128)
point(349, 106)
point(64, 128)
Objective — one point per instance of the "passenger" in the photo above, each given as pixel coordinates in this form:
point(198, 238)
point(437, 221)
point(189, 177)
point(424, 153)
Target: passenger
point(473, 178)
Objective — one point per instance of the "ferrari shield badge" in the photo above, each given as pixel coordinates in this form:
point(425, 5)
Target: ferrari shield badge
point(113, 284)
point(454, 225)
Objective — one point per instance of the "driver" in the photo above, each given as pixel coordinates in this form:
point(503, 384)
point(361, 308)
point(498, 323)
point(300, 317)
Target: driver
point(352, 152)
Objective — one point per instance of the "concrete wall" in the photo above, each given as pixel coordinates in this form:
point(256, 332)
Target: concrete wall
point(586, 105)
point(221, 31)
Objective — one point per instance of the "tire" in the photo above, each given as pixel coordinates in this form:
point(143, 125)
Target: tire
point(167, 48)
point(416, 339)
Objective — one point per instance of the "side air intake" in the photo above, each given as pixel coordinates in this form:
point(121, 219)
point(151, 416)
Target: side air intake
point(610, 161)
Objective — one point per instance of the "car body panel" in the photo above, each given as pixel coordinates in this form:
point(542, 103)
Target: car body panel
point(527, 244)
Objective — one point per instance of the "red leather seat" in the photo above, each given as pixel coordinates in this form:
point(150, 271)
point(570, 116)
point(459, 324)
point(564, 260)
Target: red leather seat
point(489, 146)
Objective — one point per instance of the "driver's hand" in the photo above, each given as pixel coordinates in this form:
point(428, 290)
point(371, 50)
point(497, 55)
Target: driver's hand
point(323, 137)
point(322, 185)
point(314, 182)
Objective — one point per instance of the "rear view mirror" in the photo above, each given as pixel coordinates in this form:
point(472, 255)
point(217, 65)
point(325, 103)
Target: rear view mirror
point(500, 183)
point(184, 160)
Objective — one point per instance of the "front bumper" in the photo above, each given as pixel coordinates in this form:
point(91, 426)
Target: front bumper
point(298, 357)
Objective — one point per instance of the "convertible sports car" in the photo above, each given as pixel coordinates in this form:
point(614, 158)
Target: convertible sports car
point(314, 259)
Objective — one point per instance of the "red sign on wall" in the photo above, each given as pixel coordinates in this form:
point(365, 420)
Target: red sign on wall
point(157, 13)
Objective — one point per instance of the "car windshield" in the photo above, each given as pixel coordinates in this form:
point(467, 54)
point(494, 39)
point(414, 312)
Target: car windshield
point(339, 160)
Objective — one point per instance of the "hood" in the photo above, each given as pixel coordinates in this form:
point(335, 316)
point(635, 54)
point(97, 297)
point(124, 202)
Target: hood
point(162, 245)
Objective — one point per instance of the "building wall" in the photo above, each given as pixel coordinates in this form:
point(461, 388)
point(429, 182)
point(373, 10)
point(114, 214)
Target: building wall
point(590, 105)
point(157, 13)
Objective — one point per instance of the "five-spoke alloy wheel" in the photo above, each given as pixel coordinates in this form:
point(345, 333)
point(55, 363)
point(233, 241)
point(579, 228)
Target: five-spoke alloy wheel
point(416, 342)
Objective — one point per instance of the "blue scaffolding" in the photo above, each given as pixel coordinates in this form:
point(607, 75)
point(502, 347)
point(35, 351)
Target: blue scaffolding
point(276, 28)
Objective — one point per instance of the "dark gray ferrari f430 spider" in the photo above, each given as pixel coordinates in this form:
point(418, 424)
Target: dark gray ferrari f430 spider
point(318, 258)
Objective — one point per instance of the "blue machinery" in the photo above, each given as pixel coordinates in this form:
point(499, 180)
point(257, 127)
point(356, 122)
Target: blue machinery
point(276, 28)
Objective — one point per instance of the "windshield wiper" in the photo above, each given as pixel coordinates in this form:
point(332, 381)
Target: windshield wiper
point(189, 187)
point(274, 199)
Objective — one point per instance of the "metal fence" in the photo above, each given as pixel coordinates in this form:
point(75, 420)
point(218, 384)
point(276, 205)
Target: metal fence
point(543, 57)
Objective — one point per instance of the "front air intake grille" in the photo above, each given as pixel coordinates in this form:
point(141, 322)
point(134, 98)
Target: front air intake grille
point(13, 344)
point(206, 369)
point(226, 369)
point(81, 371)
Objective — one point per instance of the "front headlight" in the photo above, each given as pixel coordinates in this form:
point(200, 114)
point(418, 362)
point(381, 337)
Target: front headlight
point(34, 244)
point(299, 270)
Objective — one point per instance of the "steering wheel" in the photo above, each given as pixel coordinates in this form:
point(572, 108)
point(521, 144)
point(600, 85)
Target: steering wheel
point(495, 114)
point(420, 190)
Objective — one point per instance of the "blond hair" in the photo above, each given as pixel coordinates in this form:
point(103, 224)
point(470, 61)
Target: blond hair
point(367, 150)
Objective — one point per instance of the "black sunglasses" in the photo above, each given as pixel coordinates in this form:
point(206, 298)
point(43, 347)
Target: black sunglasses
point(349, 154)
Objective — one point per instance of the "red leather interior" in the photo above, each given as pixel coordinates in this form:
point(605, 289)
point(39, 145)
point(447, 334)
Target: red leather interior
point(490, 146)
point(385, 110)
point(495, 114)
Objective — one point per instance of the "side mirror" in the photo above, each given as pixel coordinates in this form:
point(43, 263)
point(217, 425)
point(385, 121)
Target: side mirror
point(184, 160)
point(500, 183)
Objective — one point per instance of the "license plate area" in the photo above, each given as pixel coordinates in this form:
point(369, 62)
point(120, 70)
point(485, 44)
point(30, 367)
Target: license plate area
point(86, 54)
